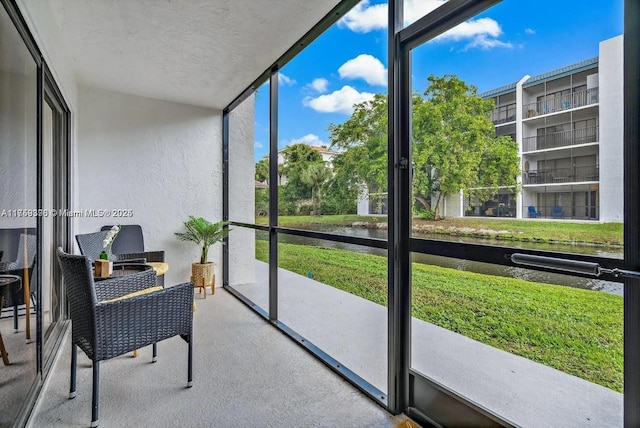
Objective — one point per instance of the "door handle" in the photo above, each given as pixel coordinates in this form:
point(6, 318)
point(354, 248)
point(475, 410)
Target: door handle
point(572, 266)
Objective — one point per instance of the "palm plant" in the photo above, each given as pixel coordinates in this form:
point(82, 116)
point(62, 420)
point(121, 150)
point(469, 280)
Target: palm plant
point(203, 233)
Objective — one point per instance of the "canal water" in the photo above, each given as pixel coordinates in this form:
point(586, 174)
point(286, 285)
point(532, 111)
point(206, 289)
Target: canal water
point(471, 266)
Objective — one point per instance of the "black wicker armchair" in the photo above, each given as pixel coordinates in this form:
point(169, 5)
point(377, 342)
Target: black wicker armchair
point(129, 244)
point(105, 330)
point(22, 266)
point(91, 245)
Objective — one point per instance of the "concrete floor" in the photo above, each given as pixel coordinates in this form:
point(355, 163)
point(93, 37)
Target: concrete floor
point(354, 331)
point(246, 374)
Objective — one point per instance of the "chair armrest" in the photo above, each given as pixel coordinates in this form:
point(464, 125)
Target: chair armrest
point(150, 256)
point(115, 287)
point(129, 324)
point(140, 260)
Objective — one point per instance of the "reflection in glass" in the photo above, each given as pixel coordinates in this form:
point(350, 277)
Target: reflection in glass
point(18, 175)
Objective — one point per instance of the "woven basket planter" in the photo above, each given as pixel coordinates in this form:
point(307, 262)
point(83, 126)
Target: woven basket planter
point(202, 275)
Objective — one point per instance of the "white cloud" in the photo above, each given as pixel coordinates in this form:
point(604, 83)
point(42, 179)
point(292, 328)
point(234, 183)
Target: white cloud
point(529, 31)
point(309, 140)
point(364, 18)
point(482, 32)
point(471, 29)
point(416, 9)
point(258, 145)
point(319, 85)
point(365, 67)
point(340, 101)
point(485, 43)
point(285, 80)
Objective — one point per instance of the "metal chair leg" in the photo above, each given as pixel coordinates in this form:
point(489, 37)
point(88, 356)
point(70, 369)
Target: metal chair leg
point(74, 359)
point(190, 363)
point(94, 398)
point(155, 353)
point(15, 318)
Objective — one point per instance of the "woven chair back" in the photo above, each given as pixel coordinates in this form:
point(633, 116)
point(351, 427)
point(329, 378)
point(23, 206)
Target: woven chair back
point(91, 245)
point(81, 296)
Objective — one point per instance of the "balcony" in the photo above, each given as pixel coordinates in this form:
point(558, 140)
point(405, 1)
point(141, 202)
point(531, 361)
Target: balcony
point(561, 103)
point(562, 175)
point(560, 139)
point(504, 114)
point(246, 373)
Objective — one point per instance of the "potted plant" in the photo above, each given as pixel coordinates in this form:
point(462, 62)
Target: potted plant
point(204, 234)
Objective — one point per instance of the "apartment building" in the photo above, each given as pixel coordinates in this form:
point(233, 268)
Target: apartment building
point(568, 124)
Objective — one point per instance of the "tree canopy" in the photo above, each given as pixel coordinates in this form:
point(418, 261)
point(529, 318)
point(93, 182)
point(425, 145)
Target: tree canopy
point(454, 146)
point(262, 170)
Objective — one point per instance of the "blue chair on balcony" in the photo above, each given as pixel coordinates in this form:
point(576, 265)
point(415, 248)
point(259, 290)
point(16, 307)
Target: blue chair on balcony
point(557, 212)
point(533, 213)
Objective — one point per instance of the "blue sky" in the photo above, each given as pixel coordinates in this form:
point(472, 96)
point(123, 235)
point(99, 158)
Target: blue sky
point(348, 62)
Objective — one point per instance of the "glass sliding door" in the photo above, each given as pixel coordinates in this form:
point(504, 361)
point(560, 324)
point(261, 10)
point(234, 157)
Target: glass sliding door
point(56, 229)
point(18, 222)
point(512, 322)
point(35, 176)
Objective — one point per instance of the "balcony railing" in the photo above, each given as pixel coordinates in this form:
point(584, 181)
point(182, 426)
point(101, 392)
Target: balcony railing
point(562, 175)
point(570, 212)
point(562, 102)
point(560, 139)
point(504, 114)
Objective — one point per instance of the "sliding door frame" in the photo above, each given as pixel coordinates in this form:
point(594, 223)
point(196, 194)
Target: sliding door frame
point(45, 87)
point(408, 390)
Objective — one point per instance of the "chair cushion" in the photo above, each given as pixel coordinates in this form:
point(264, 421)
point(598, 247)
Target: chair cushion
point(137, 293)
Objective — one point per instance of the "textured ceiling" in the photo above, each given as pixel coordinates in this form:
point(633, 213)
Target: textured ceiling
point(201, 52)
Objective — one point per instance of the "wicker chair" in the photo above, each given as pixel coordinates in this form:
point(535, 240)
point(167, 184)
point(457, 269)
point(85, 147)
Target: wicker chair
point(129, 244)
point(105, 330)
point(91, 245)
point(23, 267)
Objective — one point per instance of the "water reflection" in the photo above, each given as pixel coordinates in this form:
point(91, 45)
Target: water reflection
point(472, 266)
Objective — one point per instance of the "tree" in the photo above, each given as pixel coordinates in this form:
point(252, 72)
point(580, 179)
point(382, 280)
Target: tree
point(262, 170)
point(363, 140)
point(315, 175)
point(454, 146)
point(297, 158)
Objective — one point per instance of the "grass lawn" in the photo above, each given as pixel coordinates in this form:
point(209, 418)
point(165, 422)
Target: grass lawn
point(512, 229)
point(576, 331)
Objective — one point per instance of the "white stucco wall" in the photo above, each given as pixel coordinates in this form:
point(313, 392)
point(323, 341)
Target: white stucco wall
point(611, 130)
point(242, 241)
point(160, 159)
point(454, 205)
